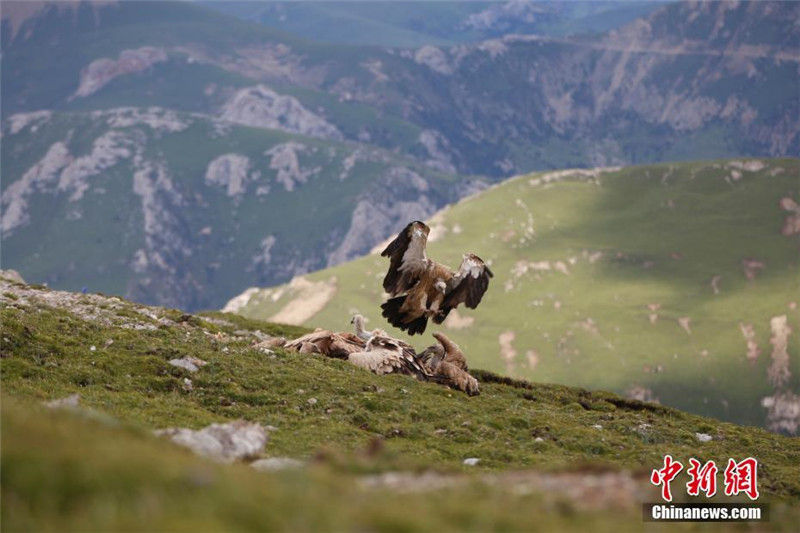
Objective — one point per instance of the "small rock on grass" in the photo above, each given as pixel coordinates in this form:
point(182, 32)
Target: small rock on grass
point(703, 437)
point(70, 401)
point(192, 364)
point(471, 461)
point(272, 464)
point(222, 442)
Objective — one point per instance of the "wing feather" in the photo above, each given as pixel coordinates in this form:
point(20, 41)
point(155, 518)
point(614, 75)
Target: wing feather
point(407, 258)
point(473, 281)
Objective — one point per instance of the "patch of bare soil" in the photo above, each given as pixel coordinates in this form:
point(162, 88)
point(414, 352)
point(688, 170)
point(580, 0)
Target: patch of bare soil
point(778, 371)
point(715, 283)
point(507, 351)
point(752, 267)
point(749, 334)
point(455, 321)
point(642, 394)
point(310, 297)
point(791, 226)
point(653, 316)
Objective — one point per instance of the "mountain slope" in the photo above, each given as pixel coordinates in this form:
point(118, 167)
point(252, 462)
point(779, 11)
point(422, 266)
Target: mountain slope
point(417, 24)
point(675, 282)
point(366, 441)
point(653, 90)
point(186, 209)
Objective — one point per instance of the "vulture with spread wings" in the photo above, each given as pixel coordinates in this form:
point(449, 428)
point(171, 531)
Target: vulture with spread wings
point(422, 288)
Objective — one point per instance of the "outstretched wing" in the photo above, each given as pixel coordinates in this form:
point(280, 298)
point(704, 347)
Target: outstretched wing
point(471, 283)
point(407, 258)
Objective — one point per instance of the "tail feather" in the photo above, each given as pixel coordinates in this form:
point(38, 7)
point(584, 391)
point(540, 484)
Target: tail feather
point(418, 325)
point(392, 313)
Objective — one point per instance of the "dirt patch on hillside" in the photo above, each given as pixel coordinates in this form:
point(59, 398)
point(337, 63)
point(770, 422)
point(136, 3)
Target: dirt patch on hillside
point(749, 335)
point(653, 316)
point(791, 226)
point(715, 283)
point(309, 298)
point(533, 359)
point(778, 371)
point(456, 321)
point(507, 351)
point(752, 267)
point(641, 394)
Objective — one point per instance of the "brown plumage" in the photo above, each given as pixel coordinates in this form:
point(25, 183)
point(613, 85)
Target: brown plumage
point(338, 345)
point(381, 354)
point(443, 363)
point(448, 366)
point(422, 288)
point(385, 355)
point(452, 353)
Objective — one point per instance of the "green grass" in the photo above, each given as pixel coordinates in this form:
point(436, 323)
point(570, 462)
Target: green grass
point(637, 218)
point(100, 468)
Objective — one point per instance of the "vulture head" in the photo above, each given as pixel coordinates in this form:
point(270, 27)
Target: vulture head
point(473, 265)
point(419, 229)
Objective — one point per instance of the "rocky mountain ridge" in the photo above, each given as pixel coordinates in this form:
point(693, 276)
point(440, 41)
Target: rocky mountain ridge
point(458, 117)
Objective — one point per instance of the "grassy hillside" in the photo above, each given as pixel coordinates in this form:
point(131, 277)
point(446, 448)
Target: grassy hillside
point(372, 442)
point(632, 280)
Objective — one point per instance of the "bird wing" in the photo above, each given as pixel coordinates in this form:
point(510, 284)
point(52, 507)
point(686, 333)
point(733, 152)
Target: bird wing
point(327, 343)
point(471, 283)
point(453, 353)
point(407, 258)
point(406, 358)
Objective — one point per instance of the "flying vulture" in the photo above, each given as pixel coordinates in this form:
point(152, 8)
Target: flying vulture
point(422, 288)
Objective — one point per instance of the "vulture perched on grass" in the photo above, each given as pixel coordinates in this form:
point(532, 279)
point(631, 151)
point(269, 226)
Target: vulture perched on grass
point(422, 288)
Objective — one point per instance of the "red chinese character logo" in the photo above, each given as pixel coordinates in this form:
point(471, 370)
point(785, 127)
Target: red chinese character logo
point(704, 478)
point(665, 476)
point(741, 477)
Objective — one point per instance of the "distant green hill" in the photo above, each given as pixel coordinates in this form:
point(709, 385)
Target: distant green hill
point(634, 280)
point(378, 453)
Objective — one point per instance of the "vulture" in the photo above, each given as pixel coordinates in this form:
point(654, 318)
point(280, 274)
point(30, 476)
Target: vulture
point(443, 363)
point(358, 323)
point(448, 366)
point(338, 345)
point(385, 355)
point(422, 288)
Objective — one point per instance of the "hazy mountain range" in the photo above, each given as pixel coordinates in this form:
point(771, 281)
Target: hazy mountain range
point(177, 155)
